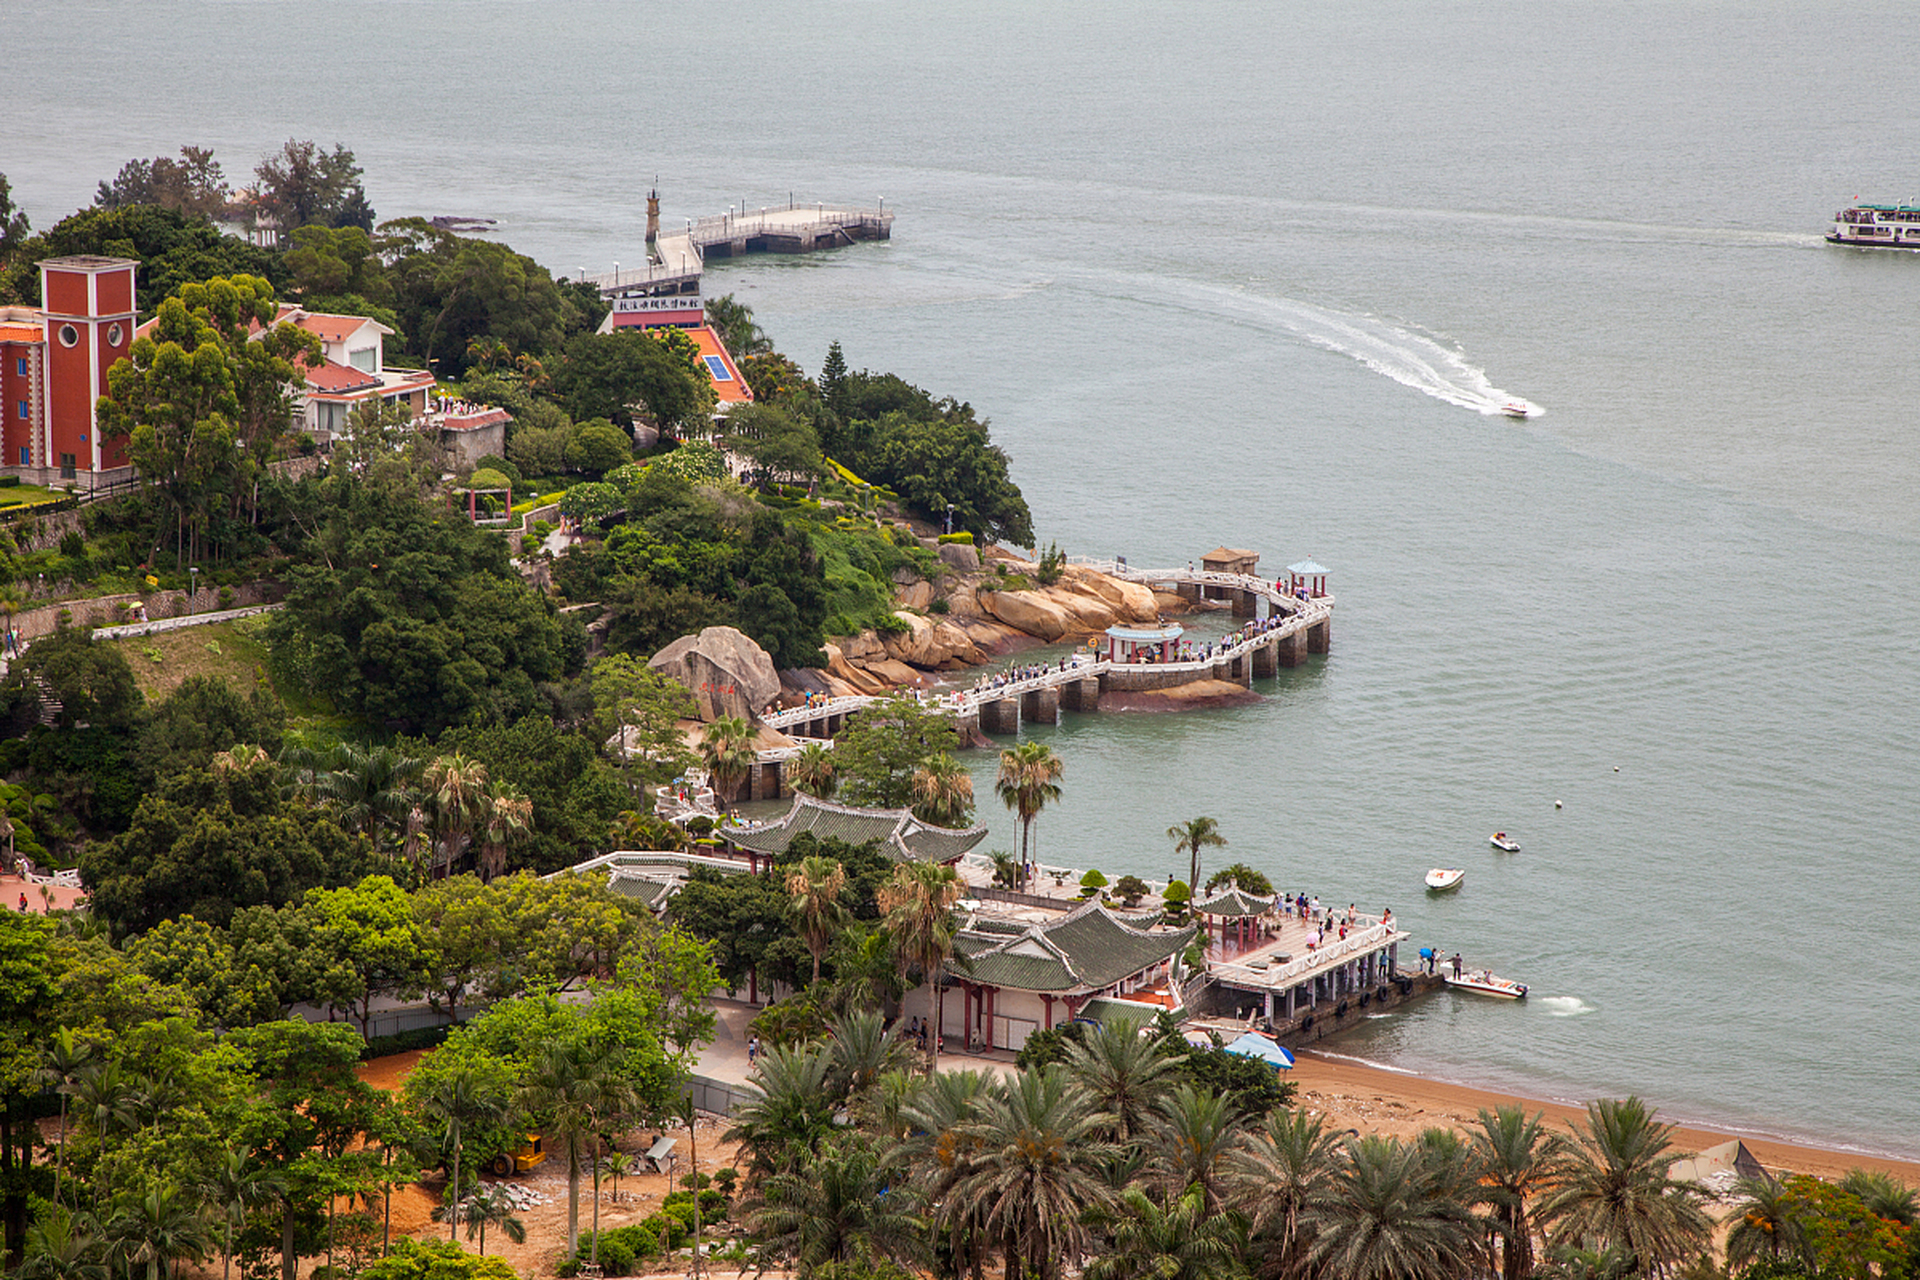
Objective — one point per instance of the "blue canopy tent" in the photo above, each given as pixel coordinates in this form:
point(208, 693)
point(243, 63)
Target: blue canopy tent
point(1255, 1045)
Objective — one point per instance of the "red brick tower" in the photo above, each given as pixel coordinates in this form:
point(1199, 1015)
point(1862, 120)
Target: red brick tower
point(89, 306)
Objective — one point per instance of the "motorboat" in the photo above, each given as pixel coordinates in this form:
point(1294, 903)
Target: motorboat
point(1445, 877)
point(1504, 842)
point(1487, 983)
point(1517, 409)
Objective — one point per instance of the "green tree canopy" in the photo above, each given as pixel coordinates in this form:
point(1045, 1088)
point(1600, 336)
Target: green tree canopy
point(302, 184)
point(173, 250)
point(884, 745)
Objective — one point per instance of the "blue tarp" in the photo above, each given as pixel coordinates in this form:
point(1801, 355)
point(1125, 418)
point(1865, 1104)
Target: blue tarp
point(1255, 1045)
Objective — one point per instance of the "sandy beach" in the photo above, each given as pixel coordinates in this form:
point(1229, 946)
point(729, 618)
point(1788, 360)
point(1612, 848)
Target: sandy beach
point(1371, 1099)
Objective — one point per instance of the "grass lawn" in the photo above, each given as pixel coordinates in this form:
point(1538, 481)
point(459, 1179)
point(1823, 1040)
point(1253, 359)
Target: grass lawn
point(26, 495)
point(235, 652)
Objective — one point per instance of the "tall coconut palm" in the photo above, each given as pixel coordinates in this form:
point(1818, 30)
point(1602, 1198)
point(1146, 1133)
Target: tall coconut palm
point(1617, 1190)
point(463, 1099)
point(942, 792)
point(1195, 1137)
point(509, 817)
point(787, 1112)
point(1035, 1175)
point(1029, 780)
point(813, 890)
point(726, 747)
point(840, 1208)
point(918, 901)
point(1519, 1162)
point(1766, 1222)
point(813, 772)
point(1280, 1180)
point(578, 1092)
point(457, 788)
point(233, 1185)
point(1192, 836)
point(159, 1229)
point(1378, 1221)
point(1180, 1241)
point(1123, 1071)
point(61, 1063)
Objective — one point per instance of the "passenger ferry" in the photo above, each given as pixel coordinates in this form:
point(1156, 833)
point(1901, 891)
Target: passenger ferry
point(1878, 226)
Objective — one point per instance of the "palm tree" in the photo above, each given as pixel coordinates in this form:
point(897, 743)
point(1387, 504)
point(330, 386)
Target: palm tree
point(457, 788)
point(1519, 1162)
point(619, 1165)
point(1035, 1172)
point(1195, 1138)
point(107, 1101)
point(460, 1100)
point(1884, 1195)
point(234, 1185)
point(942, 792)
point(813, 772)
point(1029, 779)
point(814, 888)
point(863, 1051)
point(726, 747)
point(1181, 1241)
point(864, 973)
point(241, 758)
point(918, 901)
point(578, 1091)
point(61, 1063)
point(840, 1208)
point(682, 1110)
point(486, 1207)
point(1122, 1071)
point(1378, 1222)
point(63, 1245)
point(1193, 836)
point(787, 1112)
point(153, 1233)
point(1617, 1192)
point(1281, 1180)
point(509, 816)
point(1765, 1222)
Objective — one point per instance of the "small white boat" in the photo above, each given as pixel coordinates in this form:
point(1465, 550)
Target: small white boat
point(1504, 842)
point(1517, 409)
point(1489, 984)
point(1445, 877)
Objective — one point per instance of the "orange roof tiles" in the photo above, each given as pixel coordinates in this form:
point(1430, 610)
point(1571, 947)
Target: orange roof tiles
point(20, 333)
point(338, 378)
point(732, 389)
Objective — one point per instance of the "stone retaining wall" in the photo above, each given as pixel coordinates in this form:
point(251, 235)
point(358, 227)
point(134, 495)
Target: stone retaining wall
point(107, 611)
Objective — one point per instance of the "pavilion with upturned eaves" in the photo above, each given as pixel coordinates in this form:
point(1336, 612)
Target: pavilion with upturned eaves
point(1241, 916)
point(1014, 978)
point(903, 837)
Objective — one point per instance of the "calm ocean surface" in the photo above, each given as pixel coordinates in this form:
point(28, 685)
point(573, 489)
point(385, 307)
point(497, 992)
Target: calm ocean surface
point(1256, 274)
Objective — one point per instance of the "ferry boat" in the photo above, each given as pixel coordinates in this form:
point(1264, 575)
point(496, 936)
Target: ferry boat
point(1486, 983)
point(1878, 226)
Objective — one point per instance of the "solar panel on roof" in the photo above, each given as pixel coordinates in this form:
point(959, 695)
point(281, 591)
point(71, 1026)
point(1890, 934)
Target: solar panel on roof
point(718, 368)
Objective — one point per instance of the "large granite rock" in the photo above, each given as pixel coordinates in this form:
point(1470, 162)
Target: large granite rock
point(728, 674)
point(960, 556)
point(1129, 601)
point(1030, 612)
point(929, 644)
point(917, 594)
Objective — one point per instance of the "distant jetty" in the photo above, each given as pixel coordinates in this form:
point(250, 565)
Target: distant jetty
point(672, 263)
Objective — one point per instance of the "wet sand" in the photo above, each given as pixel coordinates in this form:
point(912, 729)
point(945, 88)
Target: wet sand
point(1373, 1100)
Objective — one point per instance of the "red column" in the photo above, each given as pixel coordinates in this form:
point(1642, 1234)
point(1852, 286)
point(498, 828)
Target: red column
point(1048, 1000)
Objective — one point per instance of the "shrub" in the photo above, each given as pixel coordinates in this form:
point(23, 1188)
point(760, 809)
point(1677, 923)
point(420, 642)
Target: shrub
point(725, 1179)
point(493, 462)
point(964, 537)
point(488, 478)
point(1092, 882)
point(938, 605)
point(226, 597)
point(1131, 889)
point(1053, 562)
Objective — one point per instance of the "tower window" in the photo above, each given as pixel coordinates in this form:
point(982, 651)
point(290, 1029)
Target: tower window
point(20, 365)
point(23, 412)
point(26, 456)
point(69, 336)
point(114, 334)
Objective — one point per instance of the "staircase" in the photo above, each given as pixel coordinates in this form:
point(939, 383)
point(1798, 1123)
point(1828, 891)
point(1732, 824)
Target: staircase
point(50, 705)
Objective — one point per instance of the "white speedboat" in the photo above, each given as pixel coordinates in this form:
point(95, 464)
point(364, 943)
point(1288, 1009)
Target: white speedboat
point(1517, 409)
point(1504, 842)
point(1489, 984)
point(1445, 877)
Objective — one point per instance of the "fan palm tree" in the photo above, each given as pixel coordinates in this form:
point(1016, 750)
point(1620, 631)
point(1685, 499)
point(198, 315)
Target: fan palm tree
point(159, 1229)
point(457, 787)
point(234, 1185)
point(1194, 1138)
point(788, 1109)
point(1035, 1174)
point(1180, 1241)
point(1280, 1180)
point(243, 757)
point(1617, 1192)
point(460, 1100)
point(1765, 1222)
point(813, 772)
point(61, 1063)
point(1194, 835)
point(1122, 1071)
point(942, 792)
point(918, 901)
point(509, 816)
point(619, 1165)
point(1378, 1222)
point(726, 747)
point(813, 890)
point(1519, 1162)
point(840, 1208)
point(1029, 780)
point(486, 1207)
point(578, 1092)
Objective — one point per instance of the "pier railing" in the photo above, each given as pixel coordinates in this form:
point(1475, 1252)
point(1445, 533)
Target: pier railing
point(1371, 938)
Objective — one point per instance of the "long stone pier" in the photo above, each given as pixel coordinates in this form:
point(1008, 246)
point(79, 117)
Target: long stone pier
point(679, 257)
point(1304, 627)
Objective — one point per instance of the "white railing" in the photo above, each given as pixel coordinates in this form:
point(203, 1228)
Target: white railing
point(1371, 938)
point(722, 227)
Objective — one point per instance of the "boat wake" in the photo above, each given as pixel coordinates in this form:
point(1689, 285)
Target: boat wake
point(1565, 1006)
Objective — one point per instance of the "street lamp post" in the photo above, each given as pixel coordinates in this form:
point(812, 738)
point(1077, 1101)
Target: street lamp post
point(193, 594)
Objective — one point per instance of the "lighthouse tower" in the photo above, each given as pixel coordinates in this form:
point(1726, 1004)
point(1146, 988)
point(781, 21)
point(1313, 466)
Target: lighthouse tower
point(653, 226)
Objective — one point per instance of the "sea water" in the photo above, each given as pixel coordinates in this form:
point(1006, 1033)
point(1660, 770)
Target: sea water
point(1262, 274)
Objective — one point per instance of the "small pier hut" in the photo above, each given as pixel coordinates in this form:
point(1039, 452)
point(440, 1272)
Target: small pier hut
point(1240, 916)
point(900, 835)
point(1144, 644)
point(1308, 577)
point(1231, 560)
point(1017, 977)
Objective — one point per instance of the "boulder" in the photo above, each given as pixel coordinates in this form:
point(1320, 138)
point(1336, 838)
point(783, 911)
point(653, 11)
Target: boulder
point(893, 674)
point(854, 678)
point(1089, 613)
point(993, 639)
point(728, 674)
point(929, 644)
point(797, 682)
point(960, 556)
point(1030, 612)
point(962, 602)
point(917, 594)
point(1130, 601)
point(862, 647)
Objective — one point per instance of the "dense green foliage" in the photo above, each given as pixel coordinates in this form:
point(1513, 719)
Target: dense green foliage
point(173, 249)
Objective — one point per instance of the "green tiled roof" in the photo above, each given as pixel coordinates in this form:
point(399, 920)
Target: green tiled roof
point(1085, 950)
point(1230, 901)
point(1107, 1009)
point(904, 837)
point(650, 892)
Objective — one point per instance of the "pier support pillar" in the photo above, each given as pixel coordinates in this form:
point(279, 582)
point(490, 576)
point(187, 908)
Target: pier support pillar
point(766, 781)
point(1393, 958)
point(1290, 650)
point(1002, 717)
point(1265, 662)
point(1040, 706)
point(1244, 604)
point(1320, 636)
point(1188, 591)
point(1240, 669)
point(1081, 695)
